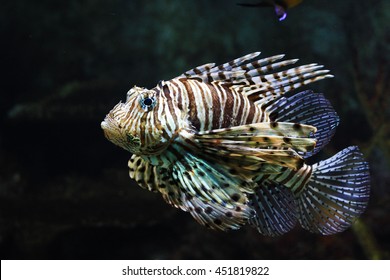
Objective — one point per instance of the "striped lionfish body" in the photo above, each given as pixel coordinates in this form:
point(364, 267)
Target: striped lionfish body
point(228, 144)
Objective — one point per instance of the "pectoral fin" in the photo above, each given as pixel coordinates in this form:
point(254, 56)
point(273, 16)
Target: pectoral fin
point(251, 146)
point(213, 196)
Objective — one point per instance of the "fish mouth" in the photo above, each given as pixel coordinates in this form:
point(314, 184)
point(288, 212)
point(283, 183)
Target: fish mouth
point(103, 125)
point(108, 128)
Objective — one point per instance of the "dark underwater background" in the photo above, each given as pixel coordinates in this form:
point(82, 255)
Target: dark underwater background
point(65, 192)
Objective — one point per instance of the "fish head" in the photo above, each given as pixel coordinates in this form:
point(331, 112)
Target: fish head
point(136, 125)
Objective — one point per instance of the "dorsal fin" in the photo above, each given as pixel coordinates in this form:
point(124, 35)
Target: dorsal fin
point(258, 79)
point(262, 88)
point(205, 69)
point(308, 108)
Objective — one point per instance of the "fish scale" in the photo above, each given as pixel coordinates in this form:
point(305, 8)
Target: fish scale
point(224, 143)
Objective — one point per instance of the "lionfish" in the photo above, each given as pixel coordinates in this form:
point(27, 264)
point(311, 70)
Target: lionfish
point(228, 144)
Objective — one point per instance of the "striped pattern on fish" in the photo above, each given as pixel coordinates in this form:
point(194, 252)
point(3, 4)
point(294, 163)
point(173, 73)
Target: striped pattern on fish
point(226, 144)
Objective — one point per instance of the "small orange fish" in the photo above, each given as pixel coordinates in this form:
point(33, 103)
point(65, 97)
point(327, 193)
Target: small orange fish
point(280, 6)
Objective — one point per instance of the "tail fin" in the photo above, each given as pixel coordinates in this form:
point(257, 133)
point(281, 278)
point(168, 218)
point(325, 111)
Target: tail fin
point(337, 193)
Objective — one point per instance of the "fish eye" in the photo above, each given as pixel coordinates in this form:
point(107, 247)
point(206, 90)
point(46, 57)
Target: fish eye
point(147, 103)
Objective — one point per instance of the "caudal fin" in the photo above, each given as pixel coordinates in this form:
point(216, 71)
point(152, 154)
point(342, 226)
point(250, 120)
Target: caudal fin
point(337, 193)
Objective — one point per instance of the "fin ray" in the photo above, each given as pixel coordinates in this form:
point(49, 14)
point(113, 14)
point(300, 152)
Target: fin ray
point(275, 209)
point(155, 179)
point(308, 108)
point(268, 143)
point(263, 128)
point(337, 193)
point(241, 75)
point(212, 195)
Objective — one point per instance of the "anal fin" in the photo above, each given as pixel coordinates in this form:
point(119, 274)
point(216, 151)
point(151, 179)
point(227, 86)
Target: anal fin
point(275, 208)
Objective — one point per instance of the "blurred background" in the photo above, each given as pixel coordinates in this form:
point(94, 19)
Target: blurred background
point(64, 189)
